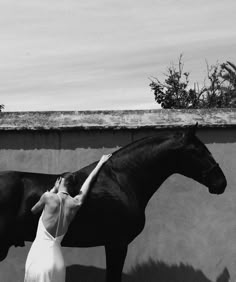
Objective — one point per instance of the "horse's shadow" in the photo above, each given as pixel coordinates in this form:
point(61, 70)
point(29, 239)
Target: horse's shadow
point(150, 271)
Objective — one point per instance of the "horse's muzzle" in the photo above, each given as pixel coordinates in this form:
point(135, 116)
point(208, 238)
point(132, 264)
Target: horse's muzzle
point(219, 187)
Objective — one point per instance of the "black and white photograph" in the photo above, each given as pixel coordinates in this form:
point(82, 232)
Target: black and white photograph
point(117, 141)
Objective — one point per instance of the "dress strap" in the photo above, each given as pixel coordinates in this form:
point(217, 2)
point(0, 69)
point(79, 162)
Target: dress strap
point(59, 219)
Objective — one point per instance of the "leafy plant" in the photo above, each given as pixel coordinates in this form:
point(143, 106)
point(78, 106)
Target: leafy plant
point(175, 93)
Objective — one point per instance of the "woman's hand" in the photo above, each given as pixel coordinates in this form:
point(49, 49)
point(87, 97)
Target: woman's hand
point(104, 158)
point(58, 182)
point(56, 185)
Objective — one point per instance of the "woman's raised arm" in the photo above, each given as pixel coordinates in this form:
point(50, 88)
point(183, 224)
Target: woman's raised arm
point(86, 185)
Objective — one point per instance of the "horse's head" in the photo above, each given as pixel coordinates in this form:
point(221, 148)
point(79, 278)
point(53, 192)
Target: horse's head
point(196, 162)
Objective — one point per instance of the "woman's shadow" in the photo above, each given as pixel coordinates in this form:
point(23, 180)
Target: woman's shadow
point(150, 271)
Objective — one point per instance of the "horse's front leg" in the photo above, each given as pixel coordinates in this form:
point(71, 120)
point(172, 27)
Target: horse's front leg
point(115, 258)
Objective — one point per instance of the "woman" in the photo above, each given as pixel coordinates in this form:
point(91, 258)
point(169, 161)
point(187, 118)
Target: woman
point(45, 261)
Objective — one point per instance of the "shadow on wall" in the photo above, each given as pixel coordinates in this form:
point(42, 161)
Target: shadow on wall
point(150, 271)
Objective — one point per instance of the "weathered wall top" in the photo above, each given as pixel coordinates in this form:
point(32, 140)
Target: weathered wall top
point(130, 119)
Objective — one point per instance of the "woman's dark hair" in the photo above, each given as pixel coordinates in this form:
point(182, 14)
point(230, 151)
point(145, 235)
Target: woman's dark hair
point(70, 183)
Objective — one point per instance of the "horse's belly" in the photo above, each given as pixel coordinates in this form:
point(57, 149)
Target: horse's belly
point(99, 231)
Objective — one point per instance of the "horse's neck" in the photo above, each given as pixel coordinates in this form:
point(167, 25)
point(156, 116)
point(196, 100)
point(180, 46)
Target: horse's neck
point(148, 167)
point(163, 167)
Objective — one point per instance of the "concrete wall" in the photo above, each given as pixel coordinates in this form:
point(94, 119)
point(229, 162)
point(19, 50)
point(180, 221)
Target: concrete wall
point(189, 235)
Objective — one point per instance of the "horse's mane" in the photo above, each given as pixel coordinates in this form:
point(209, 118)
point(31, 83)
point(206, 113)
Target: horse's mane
point(159, 138)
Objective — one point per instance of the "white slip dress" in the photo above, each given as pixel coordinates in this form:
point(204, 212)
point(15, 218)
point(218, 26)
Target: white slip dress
point(45, 262)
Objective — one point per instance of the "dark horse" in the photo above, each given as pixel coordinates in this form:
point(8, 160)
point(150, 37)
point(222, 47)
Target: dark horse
point(114, 212)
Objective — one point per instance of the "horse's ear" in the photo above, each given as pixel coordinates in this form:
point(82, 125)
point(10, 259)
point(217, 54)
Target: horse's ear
point(192, 130)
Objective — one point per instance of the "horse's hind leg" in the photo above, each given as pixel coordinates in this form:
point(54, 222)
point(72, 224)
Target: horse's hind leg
point(115, 258)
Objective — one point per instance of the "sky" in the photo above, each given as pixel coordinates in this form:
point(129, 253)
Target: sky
point(100, 55)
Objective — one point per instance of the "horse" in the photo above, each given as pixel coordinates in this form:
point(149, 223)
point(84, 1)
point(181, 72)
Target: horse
point(114, 211)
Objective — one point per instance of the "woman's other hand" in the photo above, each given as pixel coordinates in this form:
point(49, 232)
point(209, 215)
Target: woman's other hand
point(104, 158)
point(56, 185)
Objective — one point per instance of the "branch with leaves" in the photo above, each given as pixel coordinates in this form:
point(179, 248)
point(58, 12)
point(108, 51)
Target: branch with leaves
point(175, 92)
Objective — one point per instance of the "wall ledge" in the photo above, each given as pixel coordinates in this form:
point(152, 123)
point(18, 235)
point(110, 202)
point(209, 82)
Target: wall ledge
point(122, 119)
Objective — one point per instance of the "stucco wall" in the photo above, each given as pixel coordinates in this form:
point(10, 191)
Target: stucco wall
point(189, 234)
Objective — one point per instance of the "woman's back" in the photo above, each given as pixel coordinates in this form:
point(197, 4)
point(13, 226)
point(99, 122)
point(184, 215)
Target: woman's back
point(45, 262)
point(59, 210)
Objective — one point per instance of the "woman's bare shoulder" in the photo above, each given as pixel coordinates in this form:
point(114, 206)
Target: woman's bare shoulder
point(75, 202)
point(50, 197)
